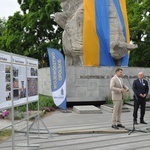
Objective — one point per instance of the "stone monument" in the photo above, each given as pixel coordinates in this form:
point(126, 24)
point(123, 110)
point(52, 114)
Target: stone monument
point(89, 83)
point(71, 20)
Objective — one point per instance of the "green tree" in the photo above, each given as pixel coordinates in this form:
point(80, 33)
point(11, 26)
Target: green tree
point(31, 32)
point(2, 25)
point(11, 40)
point(2, 30)
point(139, 23)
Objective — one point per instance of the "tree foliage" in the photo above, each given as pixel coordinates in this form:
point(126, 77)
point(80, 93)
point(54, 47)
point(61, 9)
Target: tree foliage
point(31, 32)
point(139, 23)
point(2, 26)
point(2, 30)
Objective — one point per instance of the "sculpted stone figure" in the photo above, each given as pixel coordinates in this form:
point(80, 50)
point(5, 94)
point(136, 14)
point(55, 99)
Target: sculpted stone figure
point(118, 45)
point(71, 20)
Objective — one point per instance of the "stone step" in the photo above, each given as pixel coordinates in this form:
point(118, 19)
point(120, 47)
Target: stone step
point(109, 108)
point(131, 104)
point(90, 109)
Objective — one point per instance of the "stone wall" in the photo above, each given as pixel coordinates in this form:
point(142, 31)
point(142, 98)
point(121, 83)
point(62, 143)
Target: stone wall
point(89, 83)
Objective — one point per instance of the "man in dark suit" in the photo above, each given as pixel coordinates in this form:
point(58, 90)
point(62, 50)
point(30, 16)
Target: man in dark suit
point(141, 89)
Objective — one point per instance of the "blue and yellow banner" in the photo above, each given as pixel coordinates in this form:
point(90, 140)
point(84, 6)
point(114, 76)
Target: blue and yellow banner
point(58, 77)
point(96, 32)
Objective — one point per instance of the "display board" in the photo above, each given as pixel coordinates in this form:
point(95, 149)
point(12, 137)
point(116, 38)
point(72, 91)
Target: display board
point(18, 80)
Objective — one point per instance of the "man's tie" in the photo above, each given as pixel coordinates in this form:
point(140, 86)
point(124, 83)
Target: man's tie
point(141, 81)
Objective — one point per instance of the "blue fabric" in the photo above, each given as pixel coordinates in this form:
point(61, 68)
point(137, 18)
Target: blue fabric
point(56, 60)
point(117, 5)
point(125, 59)
point(58, 77)
point(103, 32)
point(63, 105)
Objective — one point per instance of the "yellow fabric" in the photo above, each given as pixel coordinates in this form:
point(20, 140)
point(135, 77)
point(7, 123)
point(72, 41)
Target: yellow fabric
point(91, 52)
point(124, 13)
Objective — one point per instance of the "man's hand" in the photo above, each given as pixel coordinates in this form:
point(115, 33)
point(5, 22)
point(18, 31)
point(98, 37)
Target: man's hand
point(124, 90)
point(143, 95)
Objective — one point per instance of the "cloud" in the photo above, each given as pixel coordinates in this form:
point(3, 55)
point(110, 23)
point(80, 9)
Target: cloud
point(8, 8)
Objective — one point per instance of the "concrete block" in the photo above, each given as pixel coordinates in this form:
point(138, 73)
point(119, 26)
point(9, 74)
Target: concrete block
point(86, 109)
point(71, 90)
point(92, 84)
point(81, 92)
point(84, 83)
point(81, 83)
point(80, 71)
point(92, 93)
point(109, 108)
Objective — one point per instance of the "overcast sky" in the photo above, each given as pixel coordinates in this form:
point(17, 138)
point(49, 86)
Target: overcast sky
point(8, 8)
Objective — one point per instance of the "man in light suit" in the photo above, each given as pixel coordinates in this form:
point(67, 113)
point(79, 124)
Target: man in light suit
point(141, 89)
point(118, 88)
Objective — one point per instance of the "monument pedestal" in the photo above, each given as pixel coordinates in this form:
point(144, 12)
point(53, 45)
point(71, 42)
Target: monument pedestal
point(88, 84)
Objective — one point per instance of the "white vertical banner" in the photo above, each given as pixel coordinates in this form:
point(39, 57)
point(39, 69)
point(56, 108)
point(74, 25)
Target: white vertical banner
point(58, 77)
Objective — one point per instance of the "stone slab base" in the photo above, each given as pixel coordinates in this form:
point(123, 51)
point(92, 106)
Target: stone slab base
point(109, 108)
point(92, 131)
point(131, 104)
point(90, 109)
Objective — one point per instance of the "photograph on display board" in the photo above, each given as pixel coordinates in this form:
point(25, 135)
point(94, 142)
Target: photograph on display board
point(7, 68)
point(22, 90)
point(7, 77)
point(15, 71)
point(34, 72)
point(32, 86)
point(16, 94)
point(15, 89)
point(8, 96)
point(15, 83)
point(8, 86)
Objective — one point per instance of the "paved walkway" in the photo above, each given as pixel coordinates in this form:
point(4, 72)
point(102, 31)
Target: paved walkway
point(59, 121)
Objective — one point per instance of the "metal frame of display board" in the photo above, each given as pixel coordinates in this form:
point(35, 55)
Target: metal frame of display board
point(11, 105)
point(27, 118)
point(36, 119)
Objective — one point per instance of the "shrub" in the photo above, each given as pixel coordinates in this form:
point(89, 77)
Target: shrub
point(126, 98)
point(44, 101)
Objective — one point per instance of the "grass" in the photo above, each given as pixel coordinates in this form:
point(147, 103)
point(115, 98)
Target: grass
point(5, 134)
point(44, 101)
point(109, 100)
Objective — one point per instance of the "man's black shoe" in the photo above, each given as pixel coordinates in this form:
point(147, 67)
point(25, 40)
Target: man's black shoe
point(135, 122)
point(143, 122)
point(120, 125)
point(114, 126)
